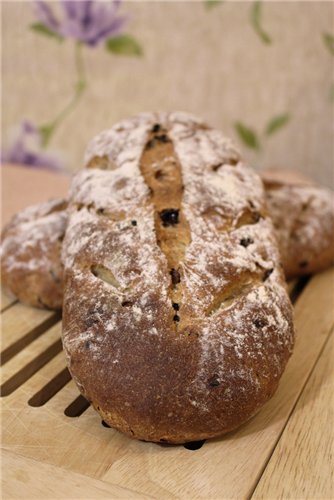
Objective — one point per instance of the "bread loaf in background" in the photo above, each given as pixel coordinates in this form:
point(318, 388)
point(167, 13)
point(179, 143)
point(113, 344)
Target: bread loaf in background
point(31, 267)
point(303, 216)
point(176, 322)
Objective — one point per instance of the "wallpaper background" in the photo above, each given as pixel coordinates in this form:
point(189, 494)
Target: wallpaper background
point(206, 61)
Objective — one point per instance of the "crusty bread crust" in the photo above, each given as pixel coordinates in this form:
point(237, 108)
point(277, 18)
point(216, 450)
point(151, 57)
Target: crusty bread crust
point(31, 267)
point(303, 217)
point(171, 341)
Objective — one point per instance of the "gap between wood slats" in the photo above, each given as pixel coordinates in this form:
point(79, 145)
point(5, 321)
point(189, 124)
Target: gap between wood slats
point(30, 369)
point(77, 407)
point(7, 306)
point(298, 288)
point(33, 334)
point(50, 389)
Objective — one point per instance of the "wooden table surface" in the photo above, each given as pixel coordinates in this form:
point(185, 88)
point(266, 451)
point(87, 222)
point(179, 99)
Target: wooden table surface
point(54, 445)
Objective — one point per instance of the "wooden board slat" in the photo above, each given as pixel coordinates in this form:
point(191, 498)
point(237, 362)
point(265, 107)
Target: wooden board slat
point(27, 478)
point(20, 325)
point(24, 364)
point(6, 300)
point(304, 454)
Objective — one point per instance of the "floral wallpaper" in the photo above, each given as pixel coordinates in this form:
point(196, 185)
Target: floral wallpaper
point(225, 53)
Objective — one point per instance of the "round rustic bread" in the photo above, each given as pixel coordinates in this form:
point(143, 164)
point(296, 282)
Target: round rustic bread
point(31, 267)
point(176, 323)
point(303, 217)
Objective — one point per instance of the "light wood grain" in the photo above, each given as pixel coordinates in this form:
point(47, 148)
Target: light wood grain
point(27, 478)
point(30, 352)
point(19, 320)
point(6, 300)
point(304, 454)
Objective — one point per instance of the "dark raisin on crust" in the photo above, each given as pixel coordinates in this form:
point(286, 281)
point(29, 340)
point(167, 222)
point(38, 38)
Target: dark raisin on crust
point(176, 278)
point(176, 306)
point(303, 264)
point(214, 381)
point(256, 217)
point(126, 303)
point(246, 241)
point(134, 222)
point(259, 322)
point(150, 144)
point(266, 274)
point(163, 138)
point(159, 175)
point(169, 216)
point(156, 128)
point(176, 318)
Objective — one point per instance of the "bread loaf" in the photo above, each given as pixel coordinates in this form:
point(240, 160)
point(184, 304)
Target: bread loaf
point(303, 216)
point(176, 323)
point(31, 267)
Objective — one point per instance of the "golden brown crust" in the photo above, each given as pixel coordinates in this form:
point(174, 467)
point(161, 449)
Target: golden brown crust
point(147, 376)
point(31, 267)
point(303, 216)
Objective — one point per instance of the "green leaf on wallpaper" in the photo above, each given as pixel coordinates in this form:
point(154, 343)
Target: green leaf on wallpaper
point(212, 3)
point(124, 45)
point(277, 122)
point(256, 20)
point(45, 133)
point(41, 29)
point(329, 42)
point(247, 135)
point(331, 93)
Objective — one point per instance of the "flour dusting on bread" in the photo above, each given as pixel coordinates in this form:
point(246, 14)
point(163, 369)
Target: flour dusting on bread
point(184, 304)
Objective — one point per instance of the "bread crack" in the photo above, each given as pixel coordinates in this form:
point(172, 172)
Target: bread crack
point(104, 274)
point(162, 174)
point(233, 291)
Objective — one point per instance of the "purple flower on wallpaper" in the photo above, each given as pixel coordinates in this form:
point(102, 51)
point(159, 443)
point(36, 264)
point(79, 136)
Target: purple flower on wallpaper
point(22, 153)
point(87, 21)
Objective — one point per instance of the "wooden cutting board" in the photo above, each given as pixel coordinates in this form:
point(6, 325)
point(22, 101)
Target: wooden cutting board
point(55, 445)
